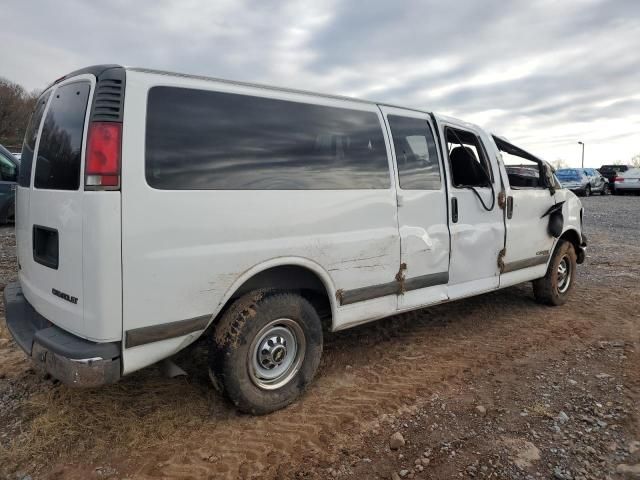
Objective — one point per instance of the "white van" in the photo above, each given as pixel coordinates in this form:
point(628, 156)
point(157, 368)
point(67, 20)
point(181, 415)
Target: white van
point(154, 208)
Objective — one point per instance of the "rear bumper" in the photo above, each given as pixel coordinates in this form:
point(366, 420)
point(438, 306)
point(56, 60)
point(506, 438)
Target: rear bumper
point(71, 359)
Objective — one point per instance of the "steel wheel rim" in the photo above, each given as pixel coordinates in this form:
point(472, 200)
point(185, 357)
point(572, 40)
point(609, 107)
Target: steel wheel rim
point(564, 274)
point(276, 354)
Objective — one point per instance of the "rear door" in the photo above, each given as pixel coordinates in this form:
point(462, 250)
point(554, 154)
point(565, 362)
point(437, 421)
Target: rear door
point(595, 180)
point(422, 208)
point(51, 206)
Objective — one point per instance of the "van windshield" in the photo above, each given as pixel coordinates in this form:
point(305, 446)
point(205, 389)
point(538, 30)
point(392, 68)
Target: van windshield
point(60, 149)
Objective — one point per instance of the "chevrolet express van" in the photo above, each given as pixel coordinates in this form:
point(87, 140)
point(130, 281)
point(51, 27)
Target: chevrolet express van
point(155, 208)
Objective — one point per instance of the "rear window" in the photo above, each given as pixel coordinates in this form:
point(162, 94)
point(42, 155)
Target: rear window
point(60, 149)
point(198, 140)
point(568, 174)
point(613, 168)
point(29, 144)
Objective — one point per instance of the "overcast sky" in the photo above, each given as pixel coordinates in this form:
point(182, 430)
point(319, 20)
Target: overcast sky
point(543, 73)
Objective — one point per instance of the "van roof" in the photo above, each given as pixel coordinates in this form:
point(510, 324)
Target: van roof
point(269, 87)
point(99, 69)
point(298, 91)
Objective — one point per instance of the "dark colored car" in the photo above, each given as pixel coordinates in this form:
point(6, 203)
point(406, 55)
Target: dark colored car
point(8, 178)
point(610, 172)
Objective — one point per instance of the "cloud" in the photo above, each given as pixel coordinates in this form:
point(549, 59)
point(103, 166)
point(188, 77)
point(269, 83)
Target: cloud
point(543, 73)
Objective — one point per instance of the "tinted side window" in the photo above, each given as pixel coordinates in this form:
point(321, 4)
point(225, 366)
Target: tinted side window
point(29, 144)
point(60, 150)
point(199, 139)
point(416, 153)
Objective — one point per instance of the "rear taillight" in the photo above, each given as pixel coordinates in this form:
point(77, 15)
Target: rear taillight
point(102, 171)
point(618, 179)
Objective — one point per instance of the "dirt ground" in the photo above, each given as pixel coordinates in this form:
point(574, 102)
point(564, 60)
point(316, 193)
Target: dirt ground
point(495, 386)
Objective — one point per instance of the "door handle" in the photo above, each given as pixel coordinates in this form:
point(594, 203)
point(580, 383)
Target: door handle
point(509, 206)
point(454, 209)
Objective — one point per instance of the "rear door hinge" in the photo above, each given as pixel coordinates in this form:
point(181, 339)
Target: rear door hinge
point(501, 255)
point(400, 278)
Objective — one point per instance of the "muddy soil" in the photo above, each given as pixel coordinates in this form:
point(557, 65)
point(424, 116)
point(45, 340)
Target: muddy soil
point(495, 386)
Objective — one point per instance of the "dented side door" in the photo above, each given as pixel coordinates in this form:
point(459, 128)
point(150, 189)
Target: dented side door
point(422, 208)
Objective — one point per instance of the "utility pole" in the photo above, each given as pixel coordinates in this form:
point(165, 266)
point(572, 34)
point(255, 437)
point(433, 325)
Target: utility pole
point(582, 143)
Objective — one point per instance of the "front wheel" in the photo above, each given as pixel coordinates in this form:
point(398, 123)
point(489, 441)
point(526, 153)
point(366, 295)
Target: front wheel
point(266, 350)
point(555, 286)
point(587, 191)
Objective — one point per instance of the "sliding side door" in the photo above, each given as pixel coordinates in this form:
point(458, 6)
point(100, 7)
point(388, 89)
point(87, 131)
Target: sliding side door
point(422, 209)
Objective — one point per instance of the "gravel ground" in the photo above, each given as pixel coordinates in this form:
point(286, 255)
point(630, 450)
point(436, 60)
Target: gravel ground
point(495, 386)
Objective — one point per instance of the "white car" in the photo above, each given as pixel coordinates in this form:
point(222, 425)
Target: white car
point(628, 182)
point(154, 208)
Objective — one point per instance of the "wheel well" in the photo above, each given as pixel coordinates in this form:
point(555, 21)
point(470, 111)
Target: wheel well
point(573, 237)
point(291, 278)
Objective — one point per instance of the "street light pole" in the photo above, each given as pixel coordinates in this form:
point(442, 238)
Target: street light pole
point(582, 143)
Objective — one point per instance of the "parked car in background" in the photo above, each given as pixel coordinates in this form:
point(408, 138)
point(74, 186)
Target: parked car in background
point(574, 179)
point(597, 182)
point(628, 182)
point(610, 172)
point(8, 178)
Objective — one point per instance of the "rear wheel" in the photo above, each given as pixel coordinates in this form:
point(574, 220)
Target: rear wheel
point(555, 286)
point(266, 350)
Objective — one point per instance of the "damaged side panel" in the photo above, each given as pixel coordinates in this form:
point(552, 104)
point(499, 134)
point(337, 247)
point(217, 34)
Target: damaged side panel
point(422, 208)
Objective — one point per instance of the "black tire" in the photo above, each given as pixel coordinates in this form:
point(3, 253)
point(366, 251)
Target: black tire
point(550, 290)
point(587, 191)
point(245, 333)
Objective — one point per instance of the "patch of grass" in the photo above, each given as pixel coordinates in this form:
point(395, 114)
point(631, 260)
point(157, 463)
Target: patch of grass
point(129, 417)
point(540, 410)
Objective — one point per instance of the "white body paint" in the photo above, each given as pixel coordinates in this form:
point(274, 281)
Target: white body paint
point(141, 257)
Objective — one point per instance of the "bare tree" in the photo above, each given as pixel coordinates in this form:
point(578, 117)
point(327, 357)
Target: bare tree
point(16, 105)
point(635, 160)
point(559, 163)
